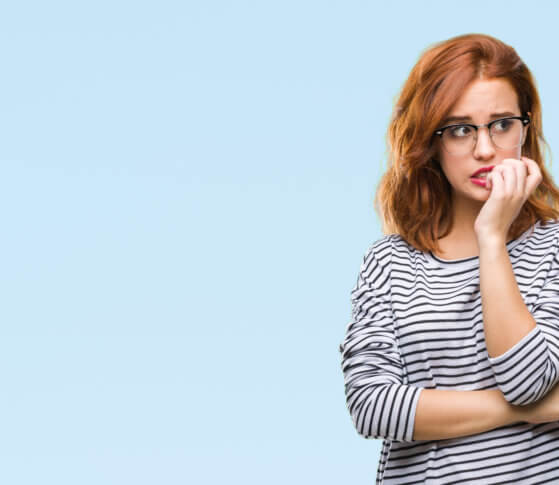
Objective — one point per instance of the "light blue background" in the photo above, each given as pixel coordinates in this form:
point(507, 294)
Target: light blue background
point(186, 197)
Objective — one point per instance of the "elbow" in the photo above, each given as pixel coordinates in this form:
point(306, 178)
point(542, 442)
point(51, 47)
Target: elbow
point(378, 414)
point(522, 400)
point(531, 394)
point(527, 387)
point(366, 414)
point(358, 425)
point(374, 431)
point(368, 428)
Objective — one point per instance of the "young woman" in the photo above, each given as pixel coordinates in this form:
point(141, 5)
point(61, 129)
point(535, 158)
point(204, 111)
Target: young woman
point(452, 352)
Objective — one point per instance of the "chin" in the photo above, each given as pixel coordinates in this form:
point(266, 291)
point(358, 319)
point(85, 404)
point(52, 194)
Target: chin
point(473, 196)
point(482, 198)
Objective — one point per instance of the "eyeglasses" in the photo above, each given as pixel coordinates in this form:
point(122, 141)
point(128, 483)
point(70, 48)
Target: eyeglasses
point(506, 133)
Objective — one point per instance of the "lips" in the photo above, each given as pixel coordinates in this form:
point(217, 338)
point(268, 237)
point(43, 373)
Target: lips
point(482, 172)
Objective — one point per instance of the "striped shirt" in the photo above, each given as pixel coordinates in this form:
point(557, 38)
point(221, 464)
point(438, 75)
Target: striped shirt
point(417, 322)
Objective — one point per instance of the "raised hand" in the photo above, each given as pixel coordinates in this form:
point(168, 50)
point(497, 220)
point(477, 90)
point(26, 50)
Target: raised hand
point(511, 183)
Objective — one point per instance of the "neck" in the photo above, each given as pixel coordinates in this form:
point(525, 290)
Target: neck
point(464, 214)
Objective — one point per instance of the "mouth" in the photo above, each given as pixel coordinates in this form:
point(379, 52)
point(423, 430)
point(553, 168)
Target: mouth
point(480, 176)
point(482, 173)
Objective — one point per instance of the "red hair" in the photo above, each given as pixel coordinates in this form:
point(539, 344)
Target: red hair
point(413, 198)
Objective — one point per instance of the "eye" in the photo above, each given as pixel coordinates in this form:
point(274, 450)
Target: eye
point(460, 131)
point(502, 125)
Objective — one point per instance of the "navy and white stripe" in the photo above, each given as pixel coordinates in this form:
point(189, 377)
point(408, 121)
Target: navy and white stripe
point(417, 323)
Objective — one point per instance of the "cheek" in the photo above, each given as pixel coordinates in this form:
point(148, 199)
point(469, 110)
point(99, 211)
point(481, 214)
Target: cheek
point(449, 170)
point(456, 168)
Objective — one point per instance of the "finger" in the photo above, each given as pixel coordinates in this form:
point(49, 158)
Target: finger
point(534, 177)
point(508, 171)
point(497, 181)
point(490, 184)
point(521, 175)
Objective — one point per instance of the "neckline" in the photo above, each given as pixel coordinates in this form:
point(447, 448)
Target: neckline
point(473, 261)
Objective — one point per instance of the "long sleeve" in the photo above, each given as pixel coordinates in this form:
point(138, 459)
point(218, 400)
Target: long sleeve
point(530, 369)
point(380, 404)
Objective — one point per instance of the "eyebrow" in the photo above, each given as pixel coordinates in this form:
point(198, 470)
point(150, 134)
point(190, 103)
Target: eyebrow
point(469, 118)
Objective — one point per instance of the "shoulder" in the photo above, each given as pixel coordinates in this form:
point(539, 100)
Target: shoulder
point(543, 234)
point(380, 253)
point(536, 242)
point(547, 228)
point(381, 248)
point(376, 263)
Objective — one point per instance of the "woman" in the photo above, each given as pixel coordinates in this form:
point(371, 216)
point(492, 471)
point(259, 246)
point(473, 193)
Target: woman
point(452, 353)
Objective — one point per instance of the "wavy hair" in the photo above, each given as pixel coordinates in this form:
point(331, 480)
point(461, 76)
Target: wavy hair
point(413, 197)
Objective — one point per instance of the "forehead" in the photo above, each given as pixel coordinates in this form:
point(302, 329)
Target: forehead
point(484, 99)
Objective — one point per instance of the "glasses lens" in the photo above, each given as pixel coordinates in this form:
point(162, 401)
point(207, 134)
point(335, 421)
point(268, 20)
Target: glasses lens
point(506, 134)
point(459, 139)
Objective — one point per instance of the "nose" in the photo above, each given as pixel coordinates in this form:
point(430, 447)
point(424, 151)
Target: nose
point(484, 147)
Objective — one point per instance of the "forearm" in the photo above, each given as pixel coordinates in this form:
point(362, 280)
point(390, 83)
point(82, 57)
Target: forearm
point(443, 414)
point(506, 319)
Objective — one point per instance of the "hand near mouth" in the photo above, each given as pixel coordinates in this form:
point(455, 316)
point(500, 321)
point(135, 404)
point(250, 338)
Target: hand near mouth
point(510, 184)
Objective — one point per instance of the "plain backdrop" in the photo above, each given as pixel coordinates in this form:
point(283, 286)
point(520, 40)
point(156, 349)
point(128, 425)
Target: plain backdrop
point(186, 196)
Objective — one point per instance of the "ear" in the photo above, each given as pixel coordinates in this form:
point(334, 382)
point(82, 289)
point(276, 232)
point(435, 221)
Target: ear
point(525, 127)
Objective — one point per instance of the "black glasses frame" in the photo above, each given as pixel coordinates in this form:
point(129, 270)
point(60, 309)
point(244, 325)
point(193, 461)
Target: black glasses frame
point(525, 119)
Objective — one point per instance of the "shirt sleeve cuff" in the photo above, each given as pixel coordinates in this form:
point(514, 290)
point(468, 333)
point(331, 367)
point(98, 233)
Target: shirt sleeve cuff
point(521, 366)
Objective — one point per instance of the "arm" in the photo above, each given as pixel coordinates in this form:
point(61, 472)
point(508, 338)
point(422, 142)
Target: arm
point(522, 346)
point(443, 414)
point(380, 404)
point(506, 319)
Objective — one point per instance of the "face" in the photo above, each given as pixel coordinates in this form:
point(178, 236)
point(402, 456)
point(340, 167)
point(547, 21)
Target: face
point(482, 98)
